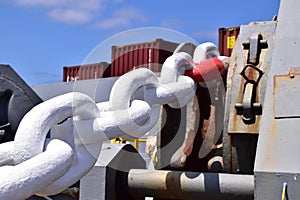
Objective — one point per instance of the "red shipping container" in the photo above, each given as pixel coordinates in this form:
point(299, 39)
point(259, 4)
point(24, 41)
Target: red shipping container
point(86, 71)
point(227, 38)
point(150, 55)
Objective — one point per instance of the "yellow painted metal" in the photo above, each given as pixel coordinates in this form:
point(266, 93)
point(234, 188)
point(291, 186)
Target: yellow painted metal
point(122, 141)
point(230, 42)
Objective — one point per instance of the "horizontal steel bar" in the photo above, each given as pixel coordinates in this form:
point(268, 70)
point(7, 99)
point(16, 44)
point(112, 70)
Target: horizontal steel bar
point(189, 185)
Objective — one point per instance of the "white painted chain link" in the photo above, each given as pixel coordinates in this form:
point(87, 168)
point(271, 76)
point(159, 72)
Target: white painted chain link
point(34, 164)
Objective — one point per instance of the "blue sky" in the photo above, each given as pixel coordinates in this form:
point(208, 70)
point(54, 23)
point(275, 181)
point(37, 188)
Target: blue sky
point(39, 37)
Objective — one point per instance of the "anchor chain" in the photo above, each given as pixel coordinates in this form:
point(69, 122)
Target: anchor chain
point(33, 164)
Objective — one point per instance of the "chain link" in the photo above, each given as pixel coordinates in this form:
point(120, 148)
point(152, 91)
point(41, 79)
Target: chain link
point(33, 164)
point(48, 166)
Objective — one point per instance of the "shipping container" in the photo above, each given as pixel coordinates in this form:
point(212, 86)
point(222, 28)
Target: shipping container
point(150, 55)
point(227, 38)
point(86, 71)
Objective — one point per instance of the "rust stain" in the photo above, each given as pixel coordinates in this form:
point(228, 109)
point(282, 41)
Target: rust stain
point(262, 81)
point(255, 23)
point(234, 66)
point(240, 94)
point(234, 121)
point(236, 124)
point(208, 128)
point(295, 70)
point(275, 84)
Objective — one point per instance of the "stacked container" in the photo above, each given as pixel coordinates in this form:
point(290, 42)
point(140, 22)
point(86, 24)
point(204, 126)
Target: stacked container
point(86, 71)
point(227, 38)
point(150, 55)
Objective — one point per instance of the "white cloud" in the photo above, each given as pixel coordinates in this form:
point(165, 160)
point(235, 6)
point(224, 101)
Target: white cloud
point(112, 23)
point(123, 17)
point(39, 3)
point(69, 16)
point(67, 11)
point(85, 11)
point(79, 4)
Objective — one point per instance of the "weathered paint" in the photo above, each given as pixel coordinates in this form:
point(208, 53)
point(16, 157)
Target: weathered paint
point(277, 160)
point(236, 82)
point(239, 158)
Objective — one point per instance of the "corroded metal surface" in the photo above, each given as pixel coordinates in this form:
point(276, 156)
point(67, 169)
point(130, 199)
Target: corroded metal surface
point(277, 160)
point(236, 82)
point(239, 138)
